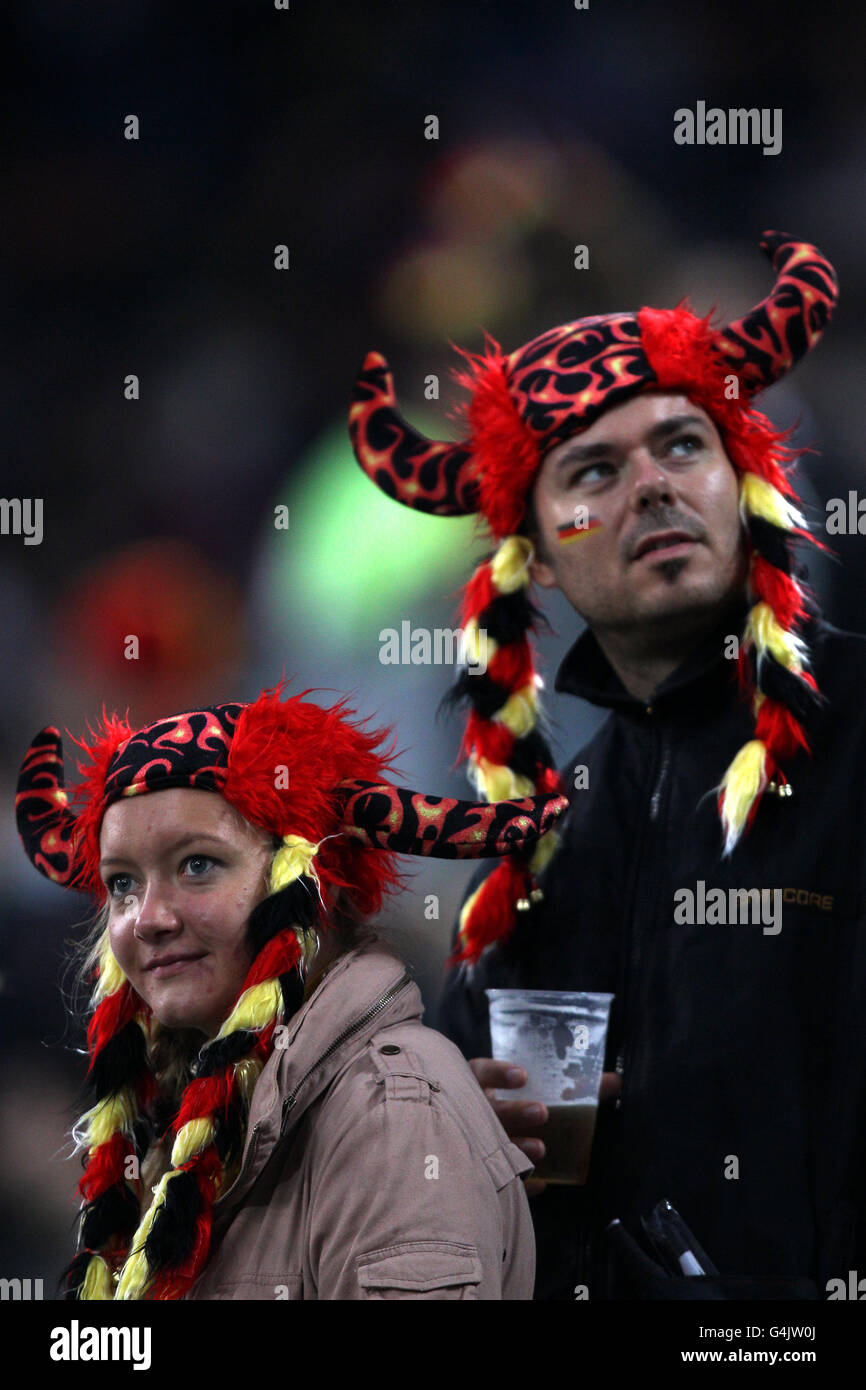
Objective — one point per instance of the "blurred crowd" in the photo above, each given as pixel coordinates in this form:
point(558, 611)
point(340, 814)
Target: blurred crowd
point(154, 258)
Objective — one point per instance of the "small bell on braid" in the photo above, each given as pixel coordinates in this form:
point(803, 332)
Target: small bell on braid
point(337, 826)
point(524, 404)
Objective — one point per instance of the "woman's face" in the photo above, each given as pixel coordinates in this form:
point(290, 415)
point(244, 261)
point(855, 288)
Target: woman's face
point(183, 872)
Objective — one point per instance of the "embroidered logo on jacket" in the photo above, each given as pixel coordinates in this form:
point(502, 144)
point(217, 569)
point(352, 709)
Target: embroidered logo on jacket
point(804, 898)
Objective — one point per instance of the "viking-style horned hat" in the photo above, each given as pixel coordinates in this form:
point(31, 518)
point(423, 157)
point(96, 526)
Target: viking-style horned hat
point(521, 406)
point(317, 780)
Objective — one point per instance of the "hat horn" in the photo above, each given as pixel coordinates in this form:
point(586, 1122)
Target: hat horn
point(45, 823)
point(427, 474)
point(407, 822)
point(773, 336)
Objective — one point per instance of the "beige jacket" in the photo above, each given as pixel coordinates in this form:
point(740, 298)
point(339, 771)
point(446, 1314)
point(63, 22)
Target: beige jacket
point(373, 1165)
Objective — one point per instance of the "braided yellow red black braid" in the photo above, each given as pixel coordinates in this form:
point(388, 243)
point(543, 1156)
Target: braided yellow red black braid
point(121, 1082)
point(507, 754)
point(773, 657)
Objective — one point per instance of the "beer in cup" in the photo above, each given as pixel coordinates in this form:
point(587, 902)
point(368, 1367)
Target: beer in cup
point(558, 1037)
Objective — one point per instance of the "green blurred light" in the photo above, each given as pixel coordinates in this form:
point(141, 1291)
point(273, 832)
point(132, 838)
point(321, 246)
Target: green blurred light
point(350, 551)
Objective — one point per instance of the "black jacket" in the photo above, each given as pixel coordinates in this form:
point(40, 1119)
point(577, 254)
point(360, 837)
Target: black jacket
point(733, 1043)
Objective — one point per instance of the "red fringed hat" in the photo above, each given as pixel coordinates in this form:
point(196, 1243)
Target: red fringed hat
point(287, 766)
point(523, 404)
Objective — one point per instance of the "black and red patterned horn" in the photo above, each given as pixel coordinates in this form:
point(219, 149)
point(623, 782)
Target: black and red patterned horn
point(429, 475)
point(407, 822)
point(45, 823)
point(771, 338)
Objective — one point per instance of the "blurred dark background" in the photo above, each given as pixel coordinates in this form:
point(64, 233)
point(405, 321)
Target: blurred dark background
point(155, 257)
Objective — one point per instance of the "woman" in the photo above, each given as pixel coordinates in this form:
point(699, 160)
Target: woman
point(271, 1119)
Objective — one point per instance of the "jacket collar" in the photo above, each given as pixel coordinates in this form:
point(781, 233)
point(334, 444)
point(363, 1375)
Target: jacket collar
point(587, 673)
point(334, 1023)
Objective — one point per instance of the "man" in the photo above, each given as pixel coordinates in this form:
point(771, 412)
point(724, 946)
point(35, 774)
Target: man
point(710, 873)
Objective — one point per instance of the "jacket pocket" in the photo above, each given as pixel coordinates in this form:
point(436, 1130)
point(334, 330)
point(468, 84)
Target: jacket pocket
point(420, 1269)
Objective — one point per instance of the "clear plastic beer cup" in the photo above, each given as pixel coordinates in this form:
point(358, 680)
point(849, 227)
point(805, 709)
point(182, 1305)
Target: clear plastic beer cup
point(559, 1038)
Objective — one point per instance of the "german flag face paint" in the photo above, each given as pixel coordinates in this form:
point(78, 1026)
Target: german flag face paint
point(582, 525)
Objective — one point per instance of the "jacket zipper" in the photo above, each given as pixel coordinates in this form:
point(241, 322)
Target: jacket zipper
point(633, 952)
point(343, 1037)
point(660, 782)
